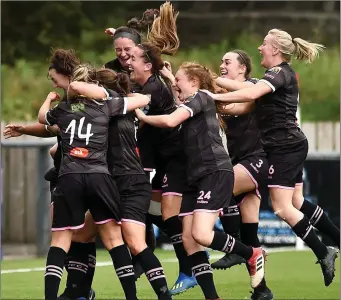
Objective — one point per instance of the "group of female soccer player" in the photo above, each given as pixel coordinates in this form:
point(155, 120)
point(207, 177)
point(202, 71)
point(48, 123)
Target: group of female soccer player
point(100, 182)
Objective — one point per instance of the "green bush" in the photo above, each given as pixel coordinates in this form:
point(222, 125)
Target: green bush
point(25, 86)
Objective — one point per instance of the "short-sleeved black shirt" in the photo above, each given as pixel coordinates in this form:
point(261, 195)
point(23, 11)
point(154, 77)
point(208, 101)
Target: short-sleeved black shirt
point(202, 142)
point(123, 157)
point(83, 127)
point(276, 111)
point(243, 135)
point(158, 145)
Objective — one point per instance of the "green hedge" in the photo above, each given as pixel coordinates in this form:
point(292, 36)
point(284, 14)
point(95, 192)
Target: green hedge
point(25, 86)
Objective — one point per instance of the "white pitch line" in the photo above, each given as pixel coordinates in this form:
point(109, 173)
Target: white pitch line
point(167, 260)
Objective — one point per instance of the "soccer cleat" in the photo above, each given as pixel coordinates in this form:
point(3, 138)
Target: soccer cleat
point(328, 265)
point(262, 295)
point(228, 261)
point(256, 267)
point(182, 284)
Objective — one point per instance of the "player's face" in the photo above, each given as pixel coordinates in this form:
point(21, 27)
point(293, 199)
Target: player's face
point(230, 66)
point(60, 81)
point(266, 50)
point(137, 65)
point(123, 48)
point(185, 86)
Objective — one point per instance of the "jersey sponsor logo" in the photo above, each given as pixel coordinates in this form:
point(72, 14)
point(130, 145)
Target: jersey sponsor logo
point(79, 152)
point(137, 150)
point(269, 75)
point(75, 107)
point(275, 70)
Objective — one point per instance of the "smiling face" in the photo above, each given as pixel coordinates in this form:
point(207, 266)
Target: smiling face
point(123, 48)
point(59, 80)
point(231, 67)
point(267, 51)
point(139, 69)
point(184, 85)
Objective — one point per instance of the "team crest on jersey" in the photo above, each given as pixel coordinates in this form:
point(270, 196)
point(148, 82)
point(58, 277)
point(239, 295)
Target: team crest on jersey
point(79, 152)
point(275, 70)
point(75, 107)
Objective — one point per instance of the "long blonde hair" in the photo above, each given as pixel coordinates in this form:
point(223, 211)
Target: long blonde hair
point(296, 48)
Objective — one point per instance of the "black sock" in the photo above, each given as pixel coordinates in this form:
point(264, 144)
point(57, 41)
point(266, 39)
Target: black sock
point(77, 268)
point(305, 231)
point(154, 273)
point(124, 269)
point(156, 220)
point(87, 283)
point(231, 220)
point(54, 272)
point(228, 244)
point(202, 271)
point(174, 232)
point(249, 234)
point(320, 221)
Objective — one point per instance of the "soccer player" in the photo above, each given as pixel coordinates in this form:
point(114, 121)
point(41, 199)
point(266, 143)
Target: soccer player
point(84, 181)
point(81, 258)
point(285, 144)
point(132, 183)
point(160, 148)
point(249, 161)
point(209, 176)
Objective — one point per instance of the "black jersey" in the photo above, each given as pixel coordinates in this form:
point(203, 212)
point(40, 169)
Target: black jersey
point(123, 158)
point(83, 128)
point(161, 143)
point(243, 135)
point(202, 142)
point(115, 65)
point(276, 111)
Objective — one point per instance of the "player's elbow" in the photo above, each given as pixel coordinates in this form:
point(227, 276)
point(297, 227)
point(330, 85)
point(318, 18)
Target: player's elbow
point(41, 118)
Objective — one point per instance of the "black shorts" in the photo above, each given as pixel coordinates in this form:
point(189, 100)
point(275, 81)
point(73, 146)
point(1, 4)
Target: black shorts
point(210, 193)
point(135, 194)
point(77, 193)
point(286, 165)
point(257, 167)
point(170, 179)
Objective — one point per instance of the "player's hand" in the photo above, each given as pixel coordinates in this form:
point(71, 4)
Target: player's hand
point(110, 31)
point(208, 93)
point(12, 130)
point(168, 65)
point(139, 114)
point(53, 96)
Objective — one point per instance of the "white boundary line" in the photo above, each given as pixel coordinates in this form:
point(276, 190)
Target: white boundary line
point(167, 260)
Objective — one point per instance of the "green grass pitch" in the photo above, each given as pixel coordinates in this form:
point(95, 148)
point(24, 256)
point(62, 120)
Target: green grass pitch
point(290, 275)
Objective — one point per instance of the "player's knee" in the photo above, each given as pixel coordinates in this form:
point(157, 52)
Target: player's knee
point(282, 210)
point(202, 237)
point(136, 246)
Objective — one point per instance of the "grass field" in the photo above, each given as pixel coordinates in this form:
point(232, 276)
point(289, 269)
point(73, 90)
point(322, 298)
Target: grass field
point(290, 275)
